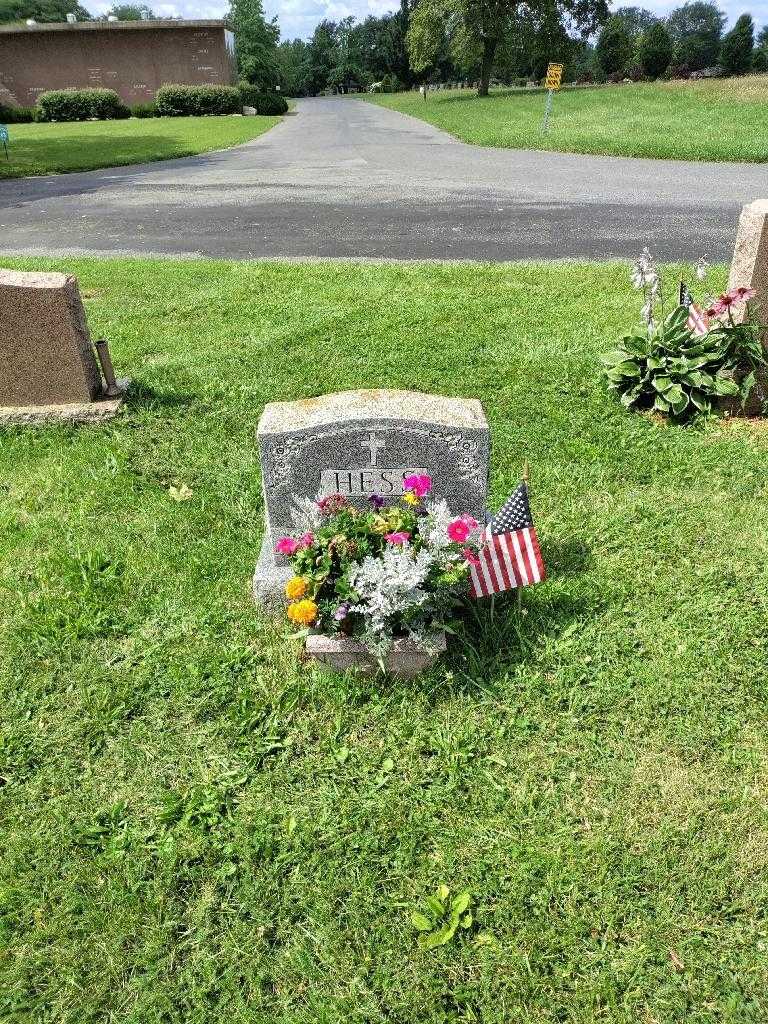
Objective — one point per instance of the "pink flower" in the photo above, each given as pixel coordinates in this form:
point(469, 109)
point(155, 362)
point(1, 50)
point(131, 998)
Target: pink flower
point(470, 557)
point(461, 528)
point(306, 540)
point(742, 294)
point(419, 483)
point(287, 546)
point(399, 537)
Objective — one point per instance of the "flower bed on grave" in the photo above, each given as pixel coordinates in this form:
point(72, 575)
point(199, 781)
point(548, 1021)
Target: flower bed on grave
point(380, 586)
point(692, 358)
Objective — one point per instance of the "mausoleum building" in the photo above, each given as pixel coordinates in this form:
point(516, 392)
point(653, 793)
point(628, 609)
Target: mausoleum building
point(132, 57)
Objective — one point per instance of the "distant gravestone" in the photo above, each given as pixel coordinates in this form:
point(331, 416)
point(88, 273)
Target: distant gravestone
point(48, 368)
point(749, 269)
point(361, 444)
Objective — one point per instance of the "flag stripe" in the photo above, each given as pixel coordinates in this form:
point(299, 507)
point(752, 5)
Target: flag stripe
point(505, 583)
point(511, 571)
point(697, 321)
point(531, 556)
point(541, 572)
point(520, 561)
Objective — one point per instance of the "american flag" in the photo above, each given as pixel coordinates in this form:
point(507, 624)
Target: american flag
point(697, 322)
point(510, 555)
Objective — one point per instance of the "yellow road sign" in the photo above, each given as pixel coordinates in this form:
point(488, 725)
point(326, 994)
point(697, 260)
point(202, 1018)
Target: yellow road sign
point(554, 76)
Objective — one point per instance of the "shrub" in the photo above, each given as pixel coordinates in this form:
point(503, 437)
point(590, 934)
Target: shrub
point(80, 105)
point(636, 73)
point(249, 94)
point(655, 50)
point(736, 48)
point(678, 71)
point(16, 115)
point(197, 100)
point(143, 110)
point(270, 103)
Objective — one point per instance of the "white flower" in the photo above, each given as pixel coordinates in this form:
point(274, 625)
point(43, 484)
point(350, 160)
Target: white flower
point(702, 269)
point(644, 271)
point(390, 584)
point(434, 525)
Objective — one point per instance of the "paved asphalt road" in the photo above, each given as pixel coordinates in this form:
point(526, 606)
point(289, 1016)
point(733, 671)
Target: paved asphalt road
point(343, 178)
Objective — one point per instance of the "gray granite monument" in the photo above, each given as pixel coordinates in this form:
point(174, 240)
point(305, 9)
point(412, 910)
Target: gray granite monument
point(749, 269)
point(360, 444)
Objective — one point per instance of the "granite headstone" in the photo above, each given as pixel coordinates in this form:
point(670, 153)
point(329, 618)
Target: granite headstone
point(360, 444)
point(749, 269)
point(48, 369)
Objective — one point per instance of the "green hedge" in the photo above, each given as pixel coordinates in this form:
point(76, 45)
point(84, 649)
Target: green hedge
point(16, 115)
point(143, 110)
point(80, 105)
point(270, 103)
point(197, 100)
point(263, 102)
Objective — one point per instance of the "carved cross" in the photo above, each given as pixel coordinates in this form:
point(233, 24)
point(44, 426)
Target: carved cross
point(373, 444)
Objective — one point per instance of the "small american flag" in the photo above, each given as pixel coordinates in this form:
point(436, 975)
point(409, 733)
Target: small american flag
point(510, 555)
point(697, 322)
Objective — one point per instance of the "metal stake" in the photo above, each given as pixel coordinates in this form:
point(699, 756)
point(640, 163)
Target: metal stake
point(112, 389)
point(547, 111)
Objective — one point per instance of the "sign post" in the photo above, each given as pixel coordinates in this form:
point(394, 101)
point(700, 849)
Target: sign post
point(4, 139)
point(554, 78)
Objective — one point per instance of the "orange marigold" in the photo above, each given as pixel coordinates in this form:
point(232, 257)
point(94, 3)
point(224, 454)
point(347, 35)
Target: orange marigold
point(303, 613)
point(295, 588)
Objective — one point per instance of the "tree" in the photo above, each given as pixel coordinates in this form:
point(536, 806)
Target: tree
point(762, 38)
point(474, 29)
point(736, 49)
point(696, 29)
point(41, 10)
point(293, 65)
point(614, 47)
point(256, 42)
point(636, 20)
point(132, 12)
point(321, 56)
point(655, 50)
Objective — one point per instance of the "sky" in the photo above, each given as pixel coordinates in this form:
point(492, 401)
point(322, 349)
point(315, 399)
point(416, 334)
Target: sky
point(297, 18)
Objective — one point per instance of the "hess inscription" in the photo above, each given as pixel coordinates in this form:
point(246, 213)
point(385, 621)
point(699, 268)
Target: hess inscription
point(368, 480)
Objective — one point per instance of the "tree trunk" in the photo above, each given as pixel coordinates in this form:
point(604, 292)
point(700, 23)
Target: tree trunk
point(489, 52)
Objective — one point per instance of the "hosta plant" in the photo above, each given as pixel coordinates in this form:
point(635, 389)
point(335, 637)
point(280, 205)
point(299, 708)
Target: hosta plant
point(678, 363)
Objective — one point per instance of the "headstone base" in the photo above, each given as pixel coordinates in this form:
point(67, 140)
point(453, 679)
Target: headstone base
point(74, 412)
point(269, 580)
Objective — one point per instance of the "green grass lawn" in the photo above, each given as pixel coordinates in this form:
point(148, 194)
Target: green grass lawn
point(198, 826)
point(708, 120)
point(83, 146)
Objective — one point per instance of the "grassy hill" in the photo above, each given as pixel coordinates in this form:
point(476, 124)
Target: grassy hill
point(721, 119)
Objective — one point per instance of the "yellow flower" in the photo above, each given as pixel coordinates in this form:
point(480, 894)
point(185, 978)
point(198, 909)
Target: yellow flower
point(295, 588)
point(303, 613)
point(410, 498)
